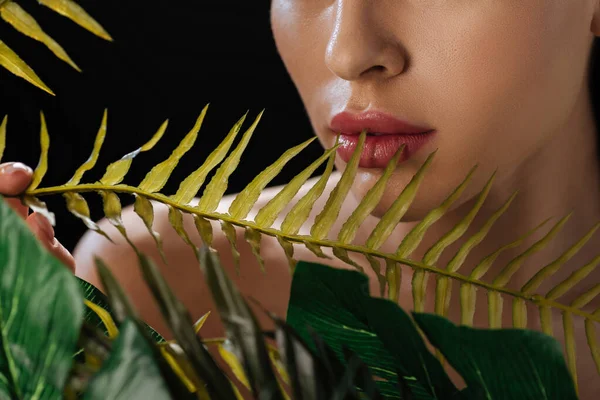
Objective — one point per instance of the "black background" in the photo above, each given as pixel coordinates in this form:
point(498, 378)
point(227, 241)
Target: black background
point(169, 59)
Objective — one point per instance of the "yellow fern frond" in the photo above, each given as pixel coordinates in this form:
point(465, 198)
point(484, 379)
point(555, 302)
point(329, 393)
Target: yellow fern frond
point(226, 158)
point(22, 21)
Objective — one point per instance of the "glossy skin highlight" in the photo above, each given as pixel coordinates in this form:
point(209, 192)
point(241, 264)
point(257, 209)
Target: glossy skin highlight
point(498, 79)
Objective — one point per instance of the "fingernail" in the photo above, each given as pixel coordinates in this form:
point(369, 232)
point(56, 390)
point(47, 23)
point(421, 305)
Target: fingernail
point(46, 229)
point(11, 168)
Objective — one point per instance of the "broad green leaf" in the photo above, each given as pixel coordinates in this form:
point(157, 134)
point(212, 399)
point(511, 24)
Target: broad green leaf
point(176, 220)
point(41, 312)
point(180, 323)
point(327, 217)
point(77, 205)
point(191, 185)
point(269, 212)
point(131, 371)
point(392, 216)
point(298, 215)
point(75, 13)
point(42, 166)
point(20, 19)
point(115, 172)
point(91, 161)
point(501, 364)
point(12, 62)
point(156, 179)
point(216, 188)
point(3, 135)
point(336, 304)
point(144, 209)
point(245, 200)
point(241, 327)
point(369, 202)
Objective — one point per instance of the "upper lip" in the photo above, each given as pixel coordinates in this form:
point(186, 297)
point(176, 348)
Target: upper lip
point(373, 122)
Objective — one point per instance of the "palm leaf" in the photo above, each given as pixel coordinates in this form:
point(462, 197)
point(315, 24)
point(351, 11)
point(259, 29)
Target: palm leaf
point(22, 21)
point(41, 311)
point(130, 372)
point(227, 157)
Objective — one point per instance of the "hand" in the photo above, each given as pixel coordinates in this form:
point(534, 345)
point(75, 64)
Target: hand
point(14, 179)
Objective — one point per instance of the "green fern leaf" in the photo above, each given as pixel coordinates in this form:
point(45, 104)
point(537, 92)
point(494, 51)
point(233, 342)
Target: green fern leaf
point(75, 13)
point(12, 62)
point(91, 162)
point(218, 185)
point(22, 21)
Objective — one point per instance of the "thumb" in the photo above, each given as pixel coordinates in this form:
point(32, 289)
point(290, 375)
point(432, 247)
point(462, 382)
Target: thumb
point(15, 177)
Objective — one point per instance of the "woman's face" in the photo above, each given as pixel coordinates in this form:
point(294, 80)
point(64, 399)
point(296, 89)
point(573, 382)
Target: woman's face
point(494, 79)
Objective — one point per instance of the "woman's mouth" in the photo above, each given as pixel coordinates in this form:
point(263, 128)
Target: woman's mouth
point(385, 135)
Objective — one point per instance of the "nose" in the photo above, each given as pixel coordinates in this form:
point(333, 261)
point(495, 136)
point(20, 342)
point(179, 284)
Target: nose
point(359, 47)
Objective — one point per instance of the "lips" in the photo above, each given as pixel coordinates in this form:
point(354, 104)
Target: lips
point(385, 135)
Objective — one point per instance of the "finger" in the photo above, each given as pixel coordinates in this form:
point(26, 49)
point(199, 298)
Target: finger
point(42, 229)
point(14, 179)
point(19, 207)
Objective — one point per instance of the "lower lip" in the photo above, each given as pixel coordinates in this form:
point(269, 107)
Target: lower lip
point(378, 151)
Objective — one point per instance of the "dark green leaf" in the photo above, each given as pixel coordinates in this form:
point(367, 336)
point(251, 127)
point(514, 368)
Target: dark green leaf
point(514, 364)
point(363, 377)
point(414, 361)
point(131, 372)
point(302, 366)
point(123, 311)
point(182, 326)
point(94, 295)
point(337, 305)
point(41, 311)
point(242, 328)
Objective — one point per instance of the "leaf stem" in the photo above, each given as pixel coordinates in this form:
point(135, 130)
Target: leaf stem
point(126, 189)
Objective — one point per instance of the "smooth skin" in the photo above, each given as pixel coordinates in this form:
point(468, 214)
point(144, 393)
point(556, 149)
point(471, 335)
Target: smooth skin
point(504, 83)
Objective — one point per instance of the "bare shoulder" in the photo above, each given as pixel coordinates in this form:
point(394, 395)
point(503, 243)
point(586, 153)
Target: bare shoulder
point(181, 269)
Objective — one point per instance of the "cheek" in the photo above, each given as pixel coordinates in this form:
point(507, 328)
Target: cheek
point(300, 30)
point(507, 74)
